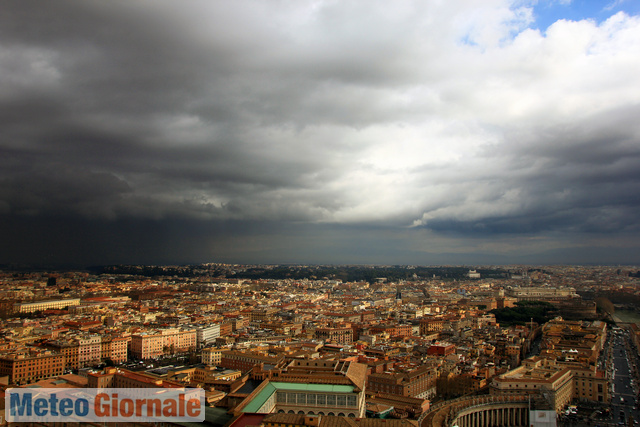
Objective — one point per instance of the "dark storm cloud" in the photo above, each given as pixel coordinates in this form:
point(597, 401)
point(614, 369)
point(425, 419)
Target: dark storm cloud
point(581, 177)
point(126, 90)
point(202, 115)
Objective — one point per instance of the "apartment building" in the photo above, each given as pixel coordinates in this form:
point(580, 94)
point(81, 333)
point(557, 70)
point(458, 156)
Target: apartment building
point(67, 347)
point(428, 325)
point(122, 378)
point(89, 350)
point(154, 343)
point(441, 349)
point(115, 348)
point(262, 314)
point(419, 382)
point(31, 365)
point(340, 335)
point(207, 334)
point(244, 361)
point(211, 356)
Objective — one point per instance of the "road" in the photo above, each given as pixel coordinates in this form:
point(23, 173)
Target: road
point(621, 362)
point(624, 384)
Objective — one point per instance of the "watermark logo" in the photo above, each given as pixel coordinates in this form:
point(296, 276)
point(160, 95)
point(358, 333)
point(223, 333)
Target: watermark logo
point(104, 405)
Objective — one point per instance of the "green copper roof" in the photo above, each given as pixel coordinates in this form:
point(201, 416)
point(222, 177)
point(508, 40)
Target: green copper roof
point(260, 398)
point(264, 395)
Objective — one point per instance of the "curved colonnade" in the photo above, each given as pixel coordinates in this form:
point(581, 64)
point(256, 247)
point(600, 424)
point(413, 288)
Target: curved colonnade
point(479, 411)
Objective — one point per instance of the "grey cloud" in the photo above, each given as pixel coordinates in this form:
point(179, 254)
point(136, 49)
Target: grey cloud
point(58, 190)
point(312, 113)
point(581, 176)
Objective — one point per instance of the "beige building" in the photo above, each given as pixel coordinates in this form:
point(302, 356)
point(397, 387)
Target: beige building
point(262, 314)
point(341, 335)
point(210, 374)
point(28, 366)
point(557, 382)
point(115, 348)
point(246, 360)
point(31, 307)
point(69, 348)
point(145, 345)
point(122, 378)
point(431, 324)
point(590, 384)
point(537, 376)
point(541, 293)
point(211, 356)
point(89, 350)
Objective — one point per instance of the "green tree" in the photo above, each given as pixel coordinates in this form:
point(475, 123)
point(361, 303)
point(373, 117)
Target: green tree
point(605, 305)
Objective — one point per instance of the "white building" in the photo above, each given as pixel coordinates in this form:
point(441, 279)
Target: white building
point(207, 334)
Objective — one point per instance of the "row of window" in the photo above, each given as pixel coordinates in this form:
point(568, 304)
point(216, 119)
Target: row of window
point(317, 399)
point(331, 414)
point(40, 363)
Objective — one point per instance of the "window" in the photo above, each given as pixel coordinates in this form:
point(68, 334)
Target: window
point(322, 399)
point(351, 400)
point(331, 400)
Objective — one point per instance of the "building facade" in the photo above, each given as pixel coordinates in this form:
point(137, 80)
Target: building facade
point(31, 307)
point(29, 366)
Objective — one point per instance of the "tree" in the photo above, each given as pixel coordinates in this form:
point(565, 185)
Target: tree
point(605, 305)
point(193, 356)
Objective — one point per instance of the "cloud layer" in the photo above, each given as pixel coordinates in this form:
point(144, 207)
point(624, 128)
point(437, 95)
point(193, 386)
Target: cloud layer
point(455, 122)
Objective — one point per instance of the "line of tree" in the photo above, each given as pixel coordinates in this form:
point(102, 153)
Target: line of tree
point(524, 312)
point(346, 273)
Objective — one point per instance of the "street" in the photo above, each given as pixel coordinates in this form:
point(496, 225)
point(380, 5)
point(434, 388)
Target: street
point(621, 362)
point(623, 370)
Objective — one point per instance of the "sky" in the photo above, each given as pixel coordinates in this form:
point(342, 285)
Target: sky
point(319, 131)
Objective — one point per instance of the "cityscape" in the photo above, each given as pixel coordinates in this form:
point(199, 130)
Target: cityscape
point(325, 345)
point(320, 213)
